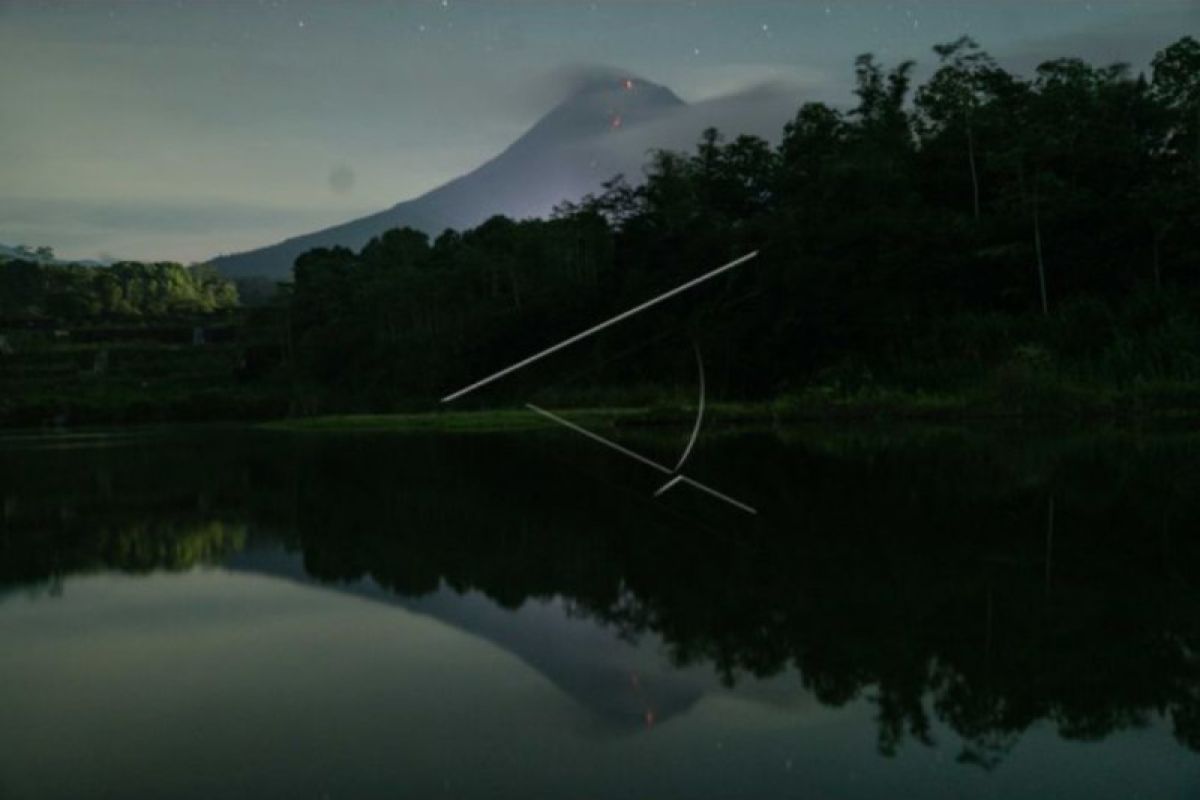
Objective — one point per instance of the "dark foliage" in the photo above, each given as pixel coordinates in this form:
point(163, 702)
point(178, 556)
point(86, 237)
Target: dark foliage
point(990, 217)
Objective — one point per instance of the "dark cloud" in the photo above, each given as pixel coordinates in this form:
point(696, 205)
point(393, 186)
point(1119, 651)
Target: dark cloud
point(1133, 40)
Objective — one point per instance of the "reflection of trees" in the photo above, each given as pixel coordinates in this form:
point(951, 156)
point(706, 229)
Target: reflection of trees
point(928, 573)
point(109, 508)
point(140, 546)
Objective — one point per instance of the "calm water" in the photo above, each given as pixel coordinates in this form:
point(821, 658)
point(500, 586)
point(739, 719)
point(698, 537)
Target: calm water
point(222, 613)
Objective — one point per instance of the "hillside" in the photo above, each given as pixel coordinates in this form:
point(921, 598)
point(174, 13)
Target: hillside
point(566, 154)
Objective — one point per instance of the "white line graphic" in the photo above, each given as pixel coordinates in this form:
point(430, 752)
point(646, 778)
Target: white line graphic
point(677, 478)
point(687, 451)
point(597, 328)
point(595, 437)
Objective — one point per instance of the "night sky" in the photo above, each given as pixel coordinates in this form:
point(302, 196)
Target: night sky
point(179, 130)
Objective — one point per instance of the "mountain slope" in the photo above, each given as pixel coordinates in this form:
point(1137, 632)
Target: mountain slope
point(566, 154)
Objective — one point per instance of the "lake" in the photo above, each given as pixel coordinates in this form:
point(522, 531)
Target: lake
point(919, 613)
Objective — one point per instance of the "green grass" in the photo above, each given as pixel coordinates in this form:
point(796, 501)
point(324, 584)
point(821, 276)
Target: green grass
point(517, 419)
point(1008, 397)
point(511, 419)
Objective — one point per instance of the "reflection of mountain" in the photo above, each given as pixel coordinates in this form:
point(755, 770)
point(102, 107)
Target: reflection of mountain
point(566, 154)
point(627, 686)
point(989, 584)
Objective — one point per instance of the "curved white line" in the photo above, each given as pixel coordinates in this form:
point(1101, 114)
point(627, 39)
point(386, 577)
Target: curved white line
point(687, 451)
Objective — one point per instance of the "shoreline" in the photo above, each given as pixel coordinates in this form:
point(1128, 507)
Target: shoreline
point(718, 417)
point(1049, 403)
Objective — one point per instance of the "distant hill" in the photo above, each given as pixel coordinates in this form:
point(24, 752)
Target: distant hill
point(568, 153)
point(9, 253)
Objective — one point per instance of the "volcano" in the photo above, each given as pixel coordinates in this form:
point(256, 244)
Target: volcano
point(568, 153)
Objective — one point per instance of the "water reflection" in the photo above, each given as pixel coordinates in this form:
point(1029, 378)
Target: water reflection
point(982, 588)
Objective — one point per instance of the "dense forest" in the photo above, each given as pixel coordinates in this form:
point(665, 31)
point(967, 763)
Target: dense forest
point(1024, 237)
point(983, 243)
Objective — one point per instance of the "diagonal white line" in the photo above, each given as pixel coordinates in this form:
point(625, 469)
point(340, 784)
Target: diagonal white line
point(718, 495)
point(598, 438)
point(597, 328)
point(595, 437)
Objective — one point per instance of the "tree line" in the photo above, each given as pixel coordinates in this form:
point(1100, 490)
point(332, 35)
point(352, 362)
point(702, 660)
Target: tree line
point(924, 233)
point(32, 289)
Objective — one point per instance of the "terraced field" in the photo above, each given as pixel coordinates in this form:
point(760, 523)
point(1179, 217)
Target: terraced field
point(121, 374)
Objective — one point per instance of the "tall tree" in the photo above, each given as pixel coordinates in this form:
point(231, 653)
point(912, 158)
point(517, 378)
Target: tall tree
point(952, 99)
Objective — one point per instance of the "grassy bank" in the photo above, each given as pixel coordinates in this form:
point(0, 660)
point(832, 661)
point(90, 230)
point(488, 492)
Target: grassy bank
point(505, 419)
point(1039, 400)
point(128, 403)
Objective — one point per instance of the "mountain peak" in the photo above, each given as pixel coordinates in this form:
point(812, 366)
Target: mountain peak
point(566, 153)
point(606, 103)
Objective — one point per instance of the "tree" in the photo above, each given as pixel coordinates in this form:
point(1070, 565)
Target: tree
point(1176, 188)
point(953, 96)
point(1177, 85)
